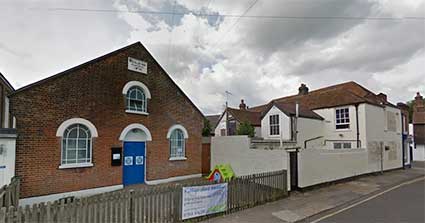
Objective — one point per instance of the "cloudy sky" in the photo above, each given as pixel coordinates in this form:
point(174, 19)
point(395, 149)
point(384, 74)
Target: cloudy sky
point(207, 48)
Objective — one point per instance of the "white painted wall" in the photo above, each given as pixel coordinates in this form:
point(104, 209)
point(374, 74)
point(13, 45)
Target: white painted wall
point(7, 159)
point(419, 153)
point(376, 134)
point(284, 122)
point(308, 129)
point(330, 132)
point(236, 151)
point(317, 166)
point(325, 165)
point(257, 131)
point(221, 125)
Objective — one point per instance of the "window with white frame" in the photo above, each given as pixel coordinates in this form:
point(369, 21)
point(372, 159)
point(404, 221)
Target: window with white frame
point(342, 118)
point(274, 124)
point(136, 99)
point(177, 144)
point(76, 145)
point(342, 145)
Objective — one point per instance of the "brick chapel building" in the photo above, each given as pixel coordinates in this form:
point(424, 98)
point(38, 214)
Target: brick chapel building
point(114, 121)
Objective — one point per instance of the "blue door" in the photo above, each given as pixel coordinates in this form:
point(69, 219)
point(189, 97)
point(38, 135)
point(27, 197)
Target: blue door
point(134, 163)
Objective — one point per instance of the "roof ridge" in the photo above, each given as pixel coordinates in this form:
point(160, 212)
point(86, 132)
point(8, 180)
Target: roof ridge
point(324, 89)
point(2, 77)
point(244, 110)
point(75, 68)
point(319, 89)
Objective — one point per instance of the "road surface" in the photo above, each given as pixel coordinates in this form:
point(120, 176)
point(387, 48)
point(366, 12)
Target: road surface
point(404, 204)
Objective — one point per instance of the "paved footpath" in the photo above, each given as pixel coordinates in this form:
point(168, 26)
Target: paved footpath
point(306, 206)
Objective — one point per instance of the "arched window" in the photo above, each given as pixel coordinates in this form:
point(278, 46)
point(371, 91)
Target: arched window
point(177, 144)
point(136, 95)
point(76, 145)
point(136, 100)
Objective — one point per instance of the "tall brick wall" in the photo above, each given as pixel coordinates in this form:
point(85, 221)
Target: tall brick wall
point(94, 92)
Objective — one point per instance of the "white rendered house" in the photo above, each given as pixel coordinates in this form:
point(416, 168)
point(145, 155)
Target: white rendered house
point(346, 126)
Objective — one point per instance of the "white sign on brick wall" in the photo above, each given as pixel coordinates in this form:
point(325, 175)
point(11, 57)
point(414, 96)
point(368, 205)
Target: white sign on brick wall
point(137, 65)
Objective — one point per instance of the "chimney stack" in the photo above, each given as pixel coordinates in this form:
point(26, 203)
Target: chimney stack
point(419, 100)
point(303, 90)
point(242, 105)
point(382, 97)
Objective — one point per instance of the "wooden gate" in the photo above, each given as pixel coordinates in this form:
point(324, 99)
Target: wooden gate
point(206, 158)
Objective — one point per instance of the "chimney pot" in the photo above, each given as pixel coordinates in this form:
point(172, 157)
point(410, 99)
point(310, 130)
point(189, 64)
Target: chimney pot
point(383, 97)
point(303, 89)
point(419, 100)
point(242, 105)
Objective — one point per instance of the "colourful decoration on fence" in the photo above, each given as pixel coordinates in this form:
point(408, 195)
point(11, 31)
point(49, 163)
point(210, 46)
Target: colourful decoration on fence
point(221, 173)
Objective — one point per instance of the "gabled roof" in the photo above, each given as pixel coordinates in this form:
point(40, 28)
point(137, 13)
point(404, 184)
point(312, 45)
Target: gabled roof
point(2, 78)
point(75, 68)
point(290, 110)
point(254, 118)
point(213, 119)
point(348, 93)
point(69, 71)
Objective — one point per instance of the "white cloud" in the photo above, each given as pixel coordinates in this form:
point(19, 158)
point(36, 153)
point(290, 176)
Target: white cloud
point(255, 59)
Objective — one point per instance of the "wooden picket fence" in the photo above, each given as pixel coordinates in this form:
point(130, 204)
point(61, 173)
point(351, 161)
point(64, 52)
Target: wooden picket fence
point(147, 204)
point(9, 194)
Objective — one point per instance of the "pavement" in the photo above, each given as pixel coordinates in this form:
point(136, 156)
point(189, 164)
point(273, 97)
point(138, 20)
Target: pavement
point(310, 205)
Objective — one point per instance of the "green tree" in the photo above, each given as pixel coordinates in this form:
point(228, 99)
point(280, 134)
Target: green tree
point(245, 128)
point(206, 131)
point(410, 104)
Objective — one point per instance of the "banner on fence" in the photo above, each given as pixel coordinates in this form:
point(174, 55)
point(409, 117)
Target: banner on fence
point(204, 200)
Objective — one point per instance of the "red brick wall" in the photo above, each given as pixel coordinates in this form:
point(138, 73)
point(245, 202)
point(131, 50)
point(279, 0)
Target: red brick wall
point(94, 92)
point(419, 131)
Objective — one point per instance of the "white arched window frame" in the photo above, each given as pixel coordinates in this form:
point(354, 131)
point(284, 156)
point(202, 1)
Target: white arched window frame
point(177, 136)
point(137, 95)
point(76, 143)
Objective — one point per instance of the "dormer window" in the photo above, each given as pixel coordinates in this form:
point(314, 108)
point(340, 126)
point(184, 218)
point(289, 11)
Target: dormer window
point(342, 118)
point(136, 97)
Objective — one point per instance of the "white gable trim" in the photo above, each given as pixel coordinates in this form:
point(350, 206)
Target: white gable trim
point(85, 122)
point(138, 84)
point(172, 179)
point(135, 126)
point(177, 126)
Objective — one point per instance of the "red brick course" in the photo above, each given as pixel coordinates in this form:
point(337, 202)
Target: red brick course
point(94, 92)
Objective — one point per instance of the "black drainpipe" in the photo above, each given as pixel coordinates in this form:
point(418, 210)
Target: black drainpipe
point(357, 125)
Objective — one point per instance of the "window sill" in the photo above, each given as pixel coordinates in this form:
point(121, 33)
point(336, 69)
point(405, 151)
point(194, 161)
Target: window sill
point(80, 165)
point(178, 158)
point(343, 130)
point(274, 136)
point(136, 112)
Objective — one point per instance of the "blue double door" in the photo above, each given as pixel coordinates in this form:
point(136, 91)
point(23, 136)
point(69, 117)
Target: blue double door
point(134, 163)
